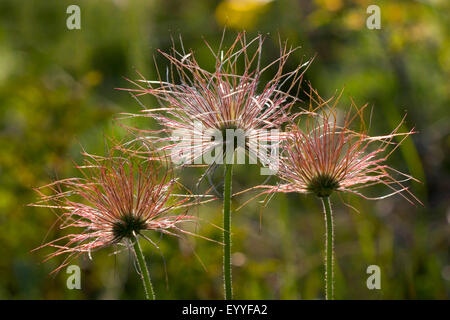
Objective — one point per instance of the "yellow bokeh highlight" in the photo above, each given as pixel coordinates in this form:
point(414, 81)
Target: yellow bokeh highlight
point(331, 5)
point(93, 78)
point(240, 14)
point(394, 13)
point(355, 20)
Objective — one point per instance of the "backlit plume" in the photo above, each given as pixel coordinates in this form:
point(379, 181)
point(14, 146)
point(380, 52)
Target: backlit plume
point(324, 155)
point(198, 105)
point(114, 202)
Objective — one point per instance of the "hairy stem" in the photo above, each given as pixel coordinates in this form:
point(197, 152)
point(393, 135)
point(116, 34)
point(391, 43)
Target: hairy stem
point(329, 249)
point(227, 232)
point(143, 270)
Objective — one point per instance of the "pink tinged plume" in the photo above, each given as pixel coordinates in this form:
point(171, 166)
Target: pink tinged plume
point(196, 104)
point(323, 157)
point(115, 201)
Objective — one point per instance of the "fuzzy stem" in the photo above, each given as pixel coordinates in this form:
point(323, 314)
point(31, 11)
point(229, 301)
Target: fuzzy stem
point(143, 270)
point(329, 249)
point(227, 232)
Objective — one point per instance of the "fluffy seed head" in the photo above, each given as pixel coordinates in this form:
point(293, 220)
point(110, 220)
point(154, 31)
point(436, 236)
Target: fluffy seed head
point(326, 155)
point(230, 97)
point(115, 200)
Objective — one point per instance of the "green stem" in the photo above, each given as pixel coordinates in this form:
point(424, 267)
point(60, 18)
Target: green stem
point(143, 270)
point(329, 248)
point(227, 232)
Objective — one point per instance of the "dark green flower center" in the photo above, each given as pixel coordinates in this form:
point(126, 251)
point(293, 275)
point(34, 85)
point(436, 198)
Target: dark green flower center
point(237, 136)
point(127, 226)
point(323, 185)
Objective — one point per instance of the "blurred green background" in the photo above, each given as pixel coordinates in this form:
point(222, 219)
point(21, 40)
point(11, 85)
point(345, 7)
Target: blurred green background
point(57, 95)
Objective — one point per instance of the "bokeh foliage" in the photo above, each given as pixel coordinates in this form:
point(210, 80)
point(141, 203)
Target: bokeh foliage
point(57, 96)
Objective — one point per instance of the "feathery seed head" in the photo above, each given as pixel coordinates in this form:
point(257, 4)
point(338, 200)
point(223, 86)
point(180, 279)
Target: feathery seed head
point(229, 97)
point(115, 200)
point(327, 155)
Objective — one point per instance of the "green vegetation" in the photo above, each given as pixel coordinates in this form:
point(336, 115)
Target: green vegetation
point(57, 97)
